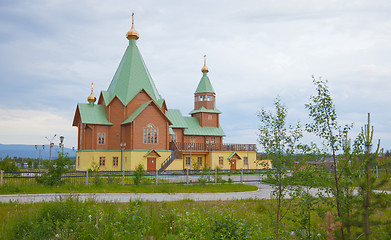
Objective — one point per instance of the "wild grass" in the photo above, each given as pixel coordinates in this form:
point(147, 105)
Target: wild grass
point(117, 188)
point(74, 219)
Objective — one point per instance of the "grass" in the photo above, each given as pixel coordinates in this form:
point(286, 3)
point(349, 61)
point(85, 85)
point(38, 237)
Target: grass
point(241, 219)
point(117, 188)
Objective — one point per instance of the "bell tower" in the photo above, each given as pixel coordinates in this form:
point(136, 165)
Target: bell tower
point(205, 101)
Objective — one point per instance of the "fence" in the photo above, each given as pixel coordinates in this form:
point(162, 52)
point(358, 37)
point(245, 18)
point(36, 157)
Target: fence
point(149, 177)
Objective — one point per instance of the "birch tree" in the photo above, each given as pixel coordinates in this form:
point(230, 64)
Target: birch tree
point(279, 142)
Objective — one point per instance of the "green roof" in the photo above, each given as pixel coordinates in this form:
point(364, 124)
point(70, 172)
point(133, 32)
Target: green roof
point(203, 109)
point(194, 128)
point(233, 154)
point(93, 114)
point(150, 151)
point(131, 77)
point(176, 118)
point(204, 86)
point(136, 112)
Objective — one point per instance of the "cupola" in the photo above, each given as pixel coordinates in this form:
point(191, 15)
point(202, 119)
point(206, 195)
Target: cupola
point(132, 34)
point(91, 99)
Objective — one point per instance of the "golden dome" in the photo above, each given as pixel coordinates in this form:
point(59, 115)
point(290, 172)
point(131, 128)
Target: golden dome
point(132, 34)
point(204, 69)
point(91, 98)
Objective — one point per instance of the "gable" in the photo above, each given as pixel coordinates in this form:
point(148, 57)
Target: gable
point(101, 100)
point(116, 102)
point(152, 153)
point(142, 108)
point(76, 118)
point(139, 99)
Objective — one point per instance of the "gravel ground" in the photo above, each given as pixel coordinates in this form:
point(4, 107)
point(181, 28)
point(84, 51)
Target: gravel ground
point(263, 192)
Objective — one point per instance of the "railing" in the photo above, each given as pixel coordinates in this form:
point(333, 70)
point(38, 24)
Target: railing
point(127, 177)
point(212, 147)
point(167, 162)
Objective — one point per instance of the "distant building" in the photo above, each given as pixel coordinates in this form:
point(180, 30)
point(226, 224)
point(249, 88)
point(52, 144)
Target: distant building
point(131, 124)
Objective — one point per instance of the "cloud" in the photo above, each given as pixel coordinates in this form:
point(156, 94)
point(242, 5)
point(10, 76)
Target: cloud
point(32, 126)
point(52, 50)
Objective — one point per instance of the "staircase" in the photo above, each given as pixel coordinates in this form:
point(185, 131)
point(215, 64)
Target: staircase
point(175, 154)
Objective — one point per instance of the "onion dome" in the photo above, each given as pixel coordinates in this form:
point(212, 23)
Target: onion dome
point(204, 69)
point(91, 98)
point(132, 34)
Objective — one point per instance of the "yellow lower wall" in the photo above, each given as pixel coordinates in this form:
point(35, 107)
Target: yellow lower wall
point(86, 159)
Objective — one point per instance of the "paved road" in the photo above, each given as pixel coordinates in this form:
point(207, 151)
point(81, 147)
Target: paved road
point(263, 192)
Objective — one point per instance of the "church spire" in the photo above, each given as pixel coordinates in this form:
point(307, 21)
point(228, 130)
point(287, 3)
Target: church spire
point(132, 75)
point(204, 86)
point(132, 34)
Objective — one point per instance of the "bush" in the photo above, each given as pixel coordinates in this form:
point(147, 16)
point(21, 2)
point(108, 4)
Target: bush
point(138, 174)
point(202, 180)
point(56, 169)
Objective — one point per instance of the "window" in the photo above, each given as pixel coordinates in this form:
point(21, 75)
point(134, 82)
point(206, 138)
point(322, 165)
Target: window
point(210, 117)
point(245, 161)
point(150, 134)
point(115, 161)
point(221, 162)
point(199, 161)
point(78, 161)
point(207, 141)
point(102, 161)
point(209, 98)
point(187, 161)
point(192, 139)
point(101, 138)
point(202, 98)
point(213, 140)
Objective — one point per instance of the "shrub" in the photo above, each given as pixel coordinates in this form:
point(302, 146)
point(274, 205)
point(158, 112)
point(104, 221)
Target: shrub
point(138, 174)
point(56, 169)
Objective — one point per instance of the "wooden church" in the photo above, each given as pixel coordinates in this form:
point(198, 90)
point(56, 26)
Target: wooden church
point(131, 124)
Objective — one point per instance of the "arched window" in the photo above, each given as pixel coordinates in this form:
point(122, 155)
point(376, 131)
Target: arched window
point(150, 134)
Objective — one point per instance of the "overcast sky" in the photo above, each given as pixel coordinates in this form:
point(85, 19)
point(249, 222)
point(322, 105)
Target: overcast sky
point(51, 51)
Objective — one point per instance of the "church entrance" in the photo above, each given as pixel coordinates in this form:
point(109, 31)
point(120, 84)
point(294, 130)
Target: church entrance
point(233, 164)
point(151, 164)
